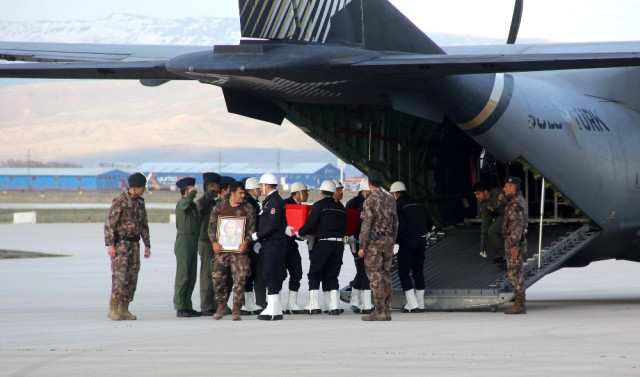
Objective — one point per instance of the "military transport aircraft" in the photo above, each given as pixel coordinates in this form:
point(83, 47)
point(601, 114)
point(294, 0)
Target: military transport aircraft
point(366, 83)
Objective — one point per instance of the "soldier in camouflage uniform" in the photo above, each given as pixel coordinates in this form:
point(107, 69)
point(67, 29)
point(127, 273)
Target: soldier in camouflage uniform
point(492, 203)
point(378, 231)
point(205, 204)
point(516, 218)
point(186, 248)
point(125, 225)
point(237, 262)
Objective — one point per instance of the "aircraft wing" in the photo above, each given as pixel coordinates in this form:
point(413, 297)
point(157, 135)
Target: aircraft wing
point(90, 61)
point(417, 65)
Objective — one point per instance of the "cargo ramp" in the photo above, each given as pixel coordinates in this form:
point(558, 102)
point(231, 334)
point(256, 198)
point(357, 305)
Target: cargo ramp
point(457, 278)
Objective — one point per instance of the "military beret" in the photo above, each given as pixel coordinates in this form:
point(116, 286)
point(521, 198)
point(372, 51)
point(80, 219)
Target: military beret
point(137, 180)
point(225, 181)
point(375, 176)
point(514, 180)
point(184, 182)
point(211, 177)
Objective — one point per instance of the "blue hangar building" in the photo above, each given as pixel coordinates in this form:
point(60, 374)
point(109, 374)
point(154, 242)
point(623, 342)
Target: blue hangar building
point(63, 179)
point(165, 174)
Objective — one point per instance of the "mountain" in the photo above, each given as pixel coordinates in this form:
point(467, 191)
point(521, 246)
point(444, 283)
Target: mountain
point(96, 121)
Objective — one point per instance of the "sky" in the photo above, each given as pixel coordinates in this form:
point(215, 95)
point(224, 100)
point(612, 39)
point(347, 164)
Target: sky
point(556, 20)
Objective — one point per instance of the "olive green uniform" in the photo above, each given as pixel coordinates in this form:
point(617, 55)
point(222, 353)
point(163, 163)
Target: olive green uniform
point(492, 214)
point(186, 251)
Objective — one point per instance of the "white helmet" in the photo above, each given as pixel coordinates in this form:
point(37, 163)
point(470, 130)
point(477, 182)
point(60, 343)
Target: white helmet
point(269, 178)
point(251, 183)
point(298, 186)
point(397, 186)
point(328, 185)
point(364, 184)
point(338, 184)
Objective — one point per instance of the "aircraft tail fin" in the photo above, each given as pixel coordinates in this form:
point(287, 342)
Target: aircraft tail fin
point(372, 24)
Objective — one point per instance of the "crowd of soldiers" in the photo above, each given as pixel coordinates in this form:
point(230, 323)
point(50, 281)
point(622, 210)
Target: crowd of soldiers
point(247, 248)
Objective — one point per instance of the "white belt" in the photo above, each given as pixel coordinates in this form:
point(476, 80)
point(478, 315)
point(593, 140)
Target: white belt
point(331, 239)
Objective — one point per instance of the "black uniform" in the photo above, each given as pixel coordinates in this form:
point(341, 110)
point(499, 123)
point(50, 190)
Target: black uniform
point(256, 277)
point(293, 261)
point(360, 281)
point(329, 218)
point(414, 223)
point(272, 237)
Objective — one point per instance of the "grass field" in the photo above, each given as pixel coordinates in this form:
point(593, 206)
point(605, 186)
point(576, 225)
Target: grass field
point(101, 197)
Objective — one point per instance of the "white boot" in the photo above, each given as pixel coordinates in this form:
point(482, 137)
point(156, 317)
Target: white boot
point(273, 311)
point(292, 305)
point(420, 298)
point(367, 308)
point(250, 306)
point(355, 303)
point(412, 302)
point(334, 307)
point(326, 302)
point(314, 306)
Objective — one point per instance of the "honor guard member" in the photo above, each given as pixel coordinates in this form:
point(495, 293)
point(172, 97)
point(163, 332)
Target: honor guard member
point(339, 190)
point(207, 201)
point(254, 289)
point(329, 218)
point(272, 239)
point(125, 225)
point(379, 229)
point(236, 261)
point(360, 285)
point(516, 219)
point(492, 203)
point(293, 261)
point(414, 223)
point(186, 248)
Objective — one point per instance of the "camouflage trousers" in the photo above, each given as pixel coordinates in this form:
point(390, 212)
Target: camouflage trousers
point(240, 269)
point(377, 262)
point(124, 271)
point(514, 269)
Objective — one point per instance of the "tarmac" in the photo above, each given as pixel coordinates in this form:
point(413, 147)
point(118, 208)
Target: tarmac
point(53, 322)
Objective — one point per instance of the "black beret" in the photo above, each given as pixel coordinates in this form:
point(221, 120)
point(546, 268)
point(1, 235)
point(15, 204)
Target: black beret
point(225, 181)
point(375, 176)
point(184, 182)
point(514, 180)
point(137, 180)
point(211, 177)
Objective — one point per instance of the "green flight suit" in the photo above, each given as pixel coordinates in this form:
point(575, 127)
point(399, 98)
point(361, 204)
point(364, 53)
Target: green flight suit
point(186, 251)
point(492, 214)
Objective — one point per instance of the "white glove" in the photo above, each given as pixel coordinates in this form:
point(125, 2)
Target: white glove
point(288, 231)
point(254, 236)
point(256, 247)
point(352, 240)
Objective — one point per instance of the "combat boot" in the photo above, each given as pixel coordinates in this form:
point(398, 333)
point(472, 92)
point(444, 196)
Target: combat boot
point(235, 313)
point(376, 315)
point(221, 311)
point(518, 306)
point(124, 311)
point(114, 314)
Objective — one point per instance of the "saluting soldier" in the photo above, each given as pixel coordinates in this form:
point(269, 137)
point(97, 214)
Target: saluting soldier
point(237, 262)
point(186, 248)
point(329, 218)
point(272, 238)
point(516, 219)
point(492, 203)
point(378, 231)
point(205, 204)
point(125, 225)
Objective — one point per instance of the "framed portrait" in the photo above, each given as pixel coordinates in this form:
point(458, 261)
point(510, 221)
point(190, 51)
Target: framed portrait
point(230, 232)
